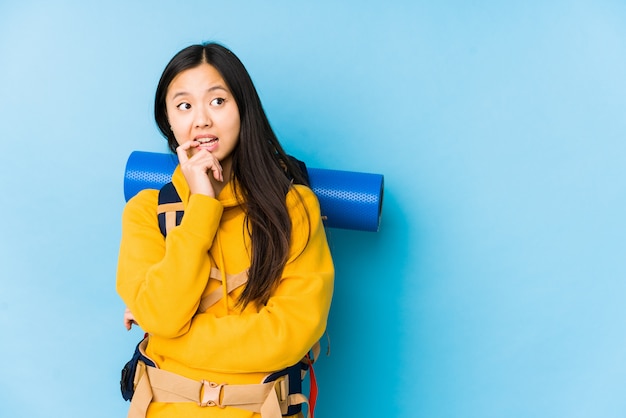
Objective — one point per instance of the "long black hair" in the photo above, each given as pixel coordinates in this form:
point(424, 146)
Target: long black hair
point(262, 171)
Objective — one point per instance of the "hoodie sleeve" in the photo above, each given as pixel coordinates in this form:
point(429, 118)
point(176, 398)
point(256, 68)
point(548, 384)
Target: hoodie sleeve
point(280, 333)
point(157, 278)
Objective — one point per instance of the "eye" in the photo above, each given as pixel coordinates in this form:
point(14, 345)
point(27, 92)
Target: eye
point(218, 101)
point(184, 106)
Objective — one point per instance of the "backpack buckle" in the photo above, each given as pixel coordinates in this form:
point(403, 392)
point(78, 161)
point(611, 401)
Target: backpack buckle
point(210, 394)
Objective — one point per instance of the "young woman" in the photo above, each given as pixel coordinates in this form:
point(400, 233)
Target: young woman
point(242, 287)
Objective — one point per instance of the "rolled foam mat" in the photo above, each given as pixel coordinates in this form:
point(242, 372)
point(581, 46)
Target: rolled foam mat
point(348, 199)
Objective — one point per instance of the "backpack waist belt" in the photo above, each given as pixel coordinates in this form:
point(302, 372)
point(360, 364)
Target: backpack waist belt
point(270, 399)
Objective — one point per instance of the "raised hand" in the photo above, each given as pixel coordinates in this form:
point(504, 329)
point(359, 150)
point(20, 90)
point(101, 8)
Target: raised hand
point(196, 163)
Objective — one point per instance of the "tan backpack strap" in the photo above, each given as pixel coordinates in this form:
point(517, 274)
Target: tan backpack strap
point(297, 398)
point(170, 209)
point(257, 398)
point(270, 399)
point(233, 281)
point(143, 394)
point(171, 387)
point(157, 385)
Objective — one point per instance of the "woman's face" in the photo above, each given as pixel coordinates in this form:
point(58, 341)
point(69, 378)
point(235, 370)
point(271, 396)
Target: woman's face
point(201, 108)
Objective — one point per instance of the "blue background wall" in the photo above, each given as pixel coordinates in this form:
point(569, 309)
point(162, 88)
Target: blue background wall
point(495, 287)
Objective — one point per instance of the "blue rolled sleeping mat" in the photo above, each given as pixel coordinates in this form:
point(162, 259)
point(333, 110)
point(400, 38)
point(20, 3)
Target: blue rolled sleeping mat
point(348, 199)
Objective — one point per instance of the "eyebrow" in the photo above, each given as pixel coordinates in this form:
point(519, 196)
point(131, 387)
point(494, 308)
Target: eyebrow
point(209, 90)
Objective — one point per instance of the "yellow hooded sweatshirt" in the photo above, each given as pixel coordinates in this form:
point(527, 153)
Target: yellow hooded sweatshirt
point(163, 280)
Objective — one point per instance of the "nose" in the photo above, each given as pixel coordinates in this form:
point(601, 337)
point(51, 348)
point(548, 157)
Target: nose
point(202, 117)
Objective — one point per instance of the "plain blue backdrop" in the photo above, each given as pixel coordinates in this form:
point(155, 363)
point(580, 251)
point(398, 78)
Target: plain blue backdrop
point(496, 285)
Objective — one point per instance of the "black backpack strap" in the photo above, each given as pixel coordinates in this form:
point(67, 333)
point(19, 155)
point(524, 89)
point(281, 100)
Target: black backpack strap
point(170, 210)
